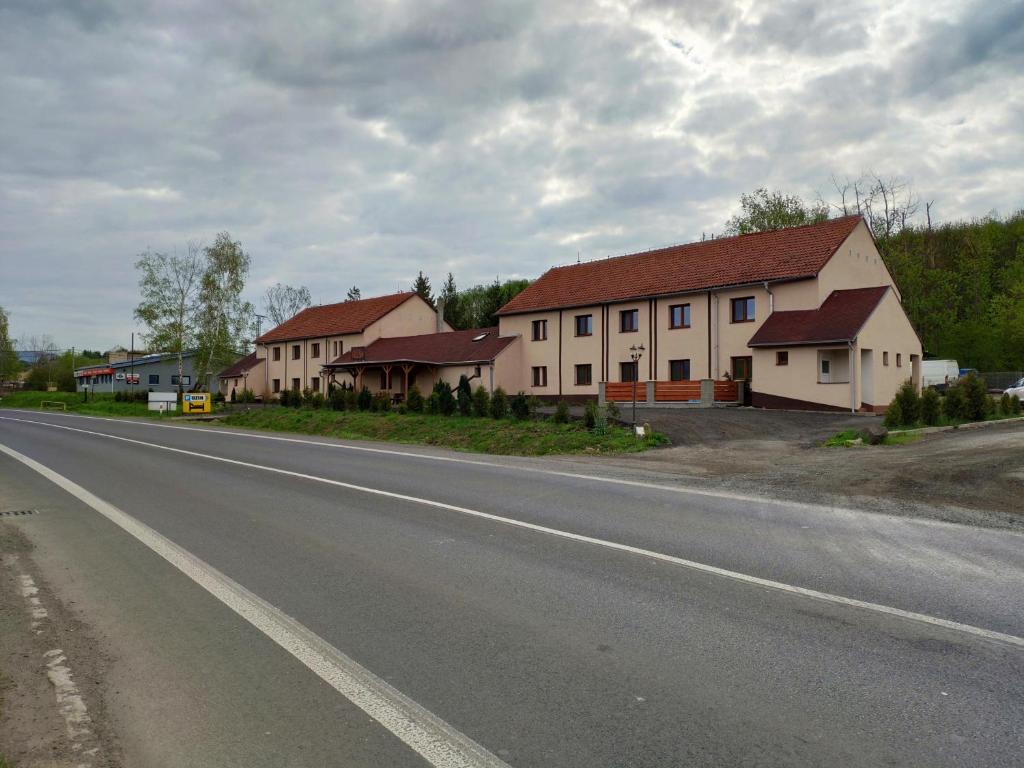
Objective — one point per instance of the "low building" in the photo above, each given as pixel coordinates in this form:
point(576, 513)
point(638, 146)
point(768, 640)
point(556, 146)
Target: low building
point(152, 373)
point(246, 373)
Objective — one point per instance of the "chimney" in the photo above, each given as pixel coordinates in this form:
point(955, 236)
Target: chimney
point(440, 315)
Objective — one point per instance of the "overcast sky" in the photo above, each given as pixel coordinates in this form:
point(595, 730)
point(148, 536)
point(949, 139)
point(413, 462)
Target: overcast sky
point(356, 144)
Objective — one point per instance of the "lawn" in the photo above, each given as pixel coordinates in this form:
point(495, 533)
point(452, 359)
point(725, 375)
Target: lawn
point(100, 403)
point(531, 437)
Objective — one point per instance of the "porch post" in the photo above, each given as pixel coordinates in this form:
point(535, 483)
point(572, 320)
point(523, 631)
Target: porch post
point(406, 369)
point(387, 376)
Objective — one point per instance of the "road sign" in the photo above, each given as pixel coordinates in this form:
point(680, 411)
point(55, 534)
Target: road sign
point(196, 402)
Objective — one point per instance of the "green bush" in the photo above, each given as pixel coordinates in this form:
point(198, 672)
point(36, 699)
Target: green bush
point(1005, 406)
point(534, 404)
point(590, 414)
point(433, 404)
point(381, 402)
point(611, 410)
point(234, 395)
point(519, 406)
point(414, 400)
point(562, 412)
point(445, 399)
point(1015, 405)
point(910, 404)
point(284, 397)
point(954, 404)
point(893, 414)
point(364, 400)
point(499, 404)
point(481, 402)
point(337, 399)
point(464, 396)
point(351, 399)
point(978, 403)
point(931, 407)
point(247, 396)
point(317, 400)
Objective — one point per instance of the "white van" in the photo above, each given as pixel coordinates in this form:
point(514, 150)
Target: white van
point(939, 373)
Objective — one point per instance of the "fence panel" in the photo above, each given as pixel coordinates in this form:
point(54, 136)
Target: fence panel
point(726, 392)
point(622, 391)
point(676, 391)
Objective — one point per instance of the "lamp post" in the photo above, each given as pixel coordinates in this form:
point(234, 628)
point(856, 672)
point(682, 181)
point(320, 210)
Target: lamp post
point(635, 353)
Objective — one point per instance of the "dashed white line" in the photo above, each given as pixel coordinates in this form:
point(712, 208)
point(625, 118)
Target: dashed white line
point(629, 549)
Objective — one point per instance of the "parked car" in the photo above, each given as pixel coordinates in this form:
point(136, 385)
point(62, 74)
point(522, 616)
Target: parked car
point(939, 374)
point(1016, 389)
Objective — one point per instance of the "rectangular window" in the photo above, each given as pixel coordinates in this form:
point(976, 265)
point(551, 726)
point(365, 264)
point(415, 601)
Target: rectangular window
point(743, 310)
point(296, 384)
point(782, 357)
point(584, 325)
point(885, 358)
point(296, 351)
point(742, 368)
point(540, 330)
point(154, 378)
point(185, 380)
point(314, 383)
point(335, 348)
point(627, 371)
point(679, 316)
point(277, 385)
point(583, 375)
point(540, 375)
point(899, 359)
point(277, 354)
point(679, 370)
point(314, 350)
point(629, 321)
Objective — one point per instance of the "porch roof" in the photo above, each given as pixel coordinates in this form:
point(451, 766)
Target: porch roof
point(476, 345)
point(838, 320)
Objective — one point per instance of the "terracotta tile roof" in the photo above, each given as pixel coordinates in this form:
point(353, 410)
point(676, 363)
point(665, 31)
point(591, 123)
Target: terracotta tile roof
point(838, 319)
point(784, 254)
point(453, 347)
point(335, 319)
point(247, 363)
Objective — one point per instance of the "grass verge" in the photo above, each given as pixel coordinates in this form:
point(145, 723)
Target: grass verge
point(100, 403)
point(849, 438)
point(502, 437)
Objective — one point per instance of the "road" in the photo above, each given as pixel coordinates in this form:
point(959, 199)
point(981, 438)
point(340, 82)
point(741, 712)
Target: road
point(296, 601)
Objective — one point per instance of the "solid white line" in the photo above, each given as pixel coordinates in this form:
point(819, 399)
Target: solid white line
point(650, 554)
point(425, 733)
point(473, 462)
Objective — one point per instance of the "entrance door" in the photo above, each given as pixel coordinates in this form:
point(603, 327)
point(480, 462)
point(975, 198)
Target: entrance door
point(826, 371)
point(742, 368)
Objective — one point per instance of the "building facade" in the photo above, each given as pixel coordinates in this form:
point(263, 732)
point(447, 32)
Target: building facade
point(152, 373)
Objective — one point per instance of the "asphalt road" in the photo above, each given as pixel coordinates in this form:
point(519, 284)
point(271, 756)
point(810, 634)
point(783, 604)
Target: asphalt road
point(549, 617)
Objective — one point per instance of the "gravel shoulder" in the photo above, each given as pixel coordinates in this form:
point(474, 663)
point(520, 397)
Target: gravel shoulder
point(971, 476)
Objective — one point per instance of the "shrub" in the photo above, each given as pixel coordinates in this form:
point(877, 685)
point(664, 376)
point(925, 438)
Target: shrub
point(534, 403)
point(317, 400)
point(590, 414)
point(464, 396)
point(1015, 405)
point(247, 396)
point(414, 400)
point(976, 397)
point(1005, 407)
point(307, 396)
point(481, 402)
point(284, 397)
point(611, 410)
point(931, 407)
point(562, 412)
point(234, 395)
point(381, 402)
point(499, 404)
point(445, 398)
point(519, 406)
point(954, 405)
point(351, 399)
point(910, 404)
point(337, 399)
point(893, 414)
point(433, 404)
point(364, 400)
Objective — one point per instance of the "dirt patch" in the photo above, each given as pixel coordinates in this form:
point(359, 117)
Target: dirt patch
point(971, 476)
point(51, 673)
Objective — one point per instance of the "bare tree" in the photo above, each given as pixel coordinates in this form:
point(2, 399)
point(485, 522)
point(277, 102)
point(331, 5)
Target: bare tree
point(170, 285)
point(283, 302)
point(888, 203)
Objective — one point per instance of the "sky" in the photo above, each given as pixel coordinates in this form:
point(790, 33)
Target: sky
point(356, 144)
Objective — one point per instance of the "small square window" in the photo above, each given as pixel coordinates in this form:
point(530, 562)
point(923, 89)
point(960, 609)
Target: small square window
point(629, 320)
point(540, 375)
point(583, 375)
point(743, 310)
point(314, 350)
point(679, 370)
point(154, 378)
point(782, 357)
point(584, 325)
point(679, 316)
point(540, 330)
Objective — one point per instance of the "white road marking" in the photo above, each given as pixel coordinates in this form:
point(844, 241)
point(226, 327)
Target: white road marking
point(425, 733)
point(650, 554)
point(478, 463)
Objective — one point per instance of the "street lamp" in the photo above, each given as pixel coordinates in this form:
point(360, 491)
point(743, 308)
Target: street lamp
point(635, 353)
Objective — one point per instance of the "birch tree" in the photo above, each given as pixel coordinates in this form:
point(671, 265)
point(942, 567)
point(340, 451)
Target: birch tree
point(224, 321)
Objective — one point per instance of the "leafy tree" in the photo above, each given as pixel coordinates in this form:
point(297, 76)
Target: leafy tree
point(170, 285)
point(9, 363)
point(477, 307)
point(224, 320)
point(354, 294)
point(764, 211)
point(450, 296)
point(283, 302)
point(422, 286)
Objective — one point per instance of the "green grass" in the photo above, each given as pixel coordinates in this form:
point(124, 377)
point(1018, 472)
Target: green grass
point(842, 439)
point(100, 403)
point(503, 437)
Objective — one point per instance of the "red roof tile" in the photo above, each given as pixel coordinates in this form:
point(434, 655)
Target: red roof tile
point(335, 319)
point(838, 319)
point(785, 254)
point(453, 347)
point(247, 363)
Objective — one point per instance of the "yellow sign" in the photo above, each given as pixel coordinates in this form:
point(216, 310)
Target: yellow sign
point(196, 402)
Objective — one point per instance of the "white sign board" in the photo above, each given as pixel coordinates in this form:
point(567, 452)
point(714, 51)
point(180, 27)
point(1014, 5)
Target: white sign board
point(163, 401)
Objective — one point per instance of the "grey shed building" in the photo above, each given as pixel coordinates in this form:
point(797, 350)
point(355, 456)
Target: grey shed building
point(152, 373)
